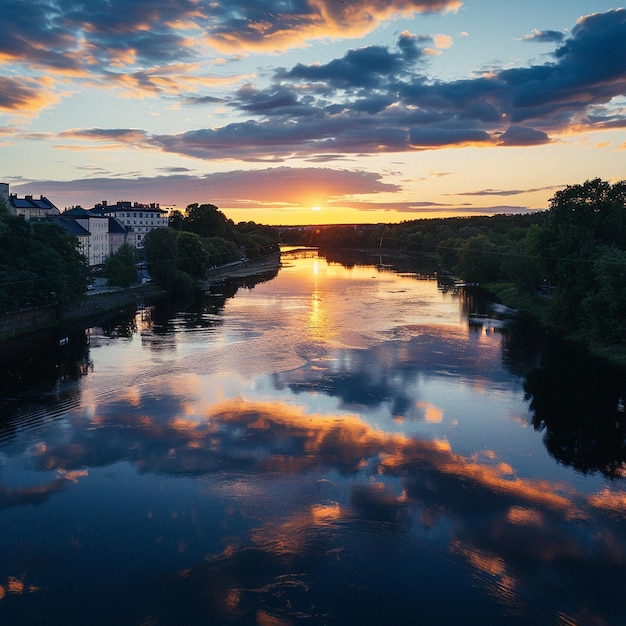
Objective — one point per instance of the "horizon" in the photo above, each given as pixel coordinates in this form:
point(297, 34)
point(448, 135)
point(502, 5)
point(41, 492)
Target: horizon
point(306, 113)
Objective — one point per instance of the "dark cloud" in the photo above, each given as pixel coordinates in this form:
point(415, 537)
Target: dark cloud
point(545, 36)
point(436, 137)
point(506, 192)
point(203, 100)
point(590, 68)
point(373, 99)
point(89, 36)
point(520, 136)
point(274, 24)
point(174, 170)
point(276, 101)
point(409, 45)
point(366, 67)
point(99, 35)
point(123, 136)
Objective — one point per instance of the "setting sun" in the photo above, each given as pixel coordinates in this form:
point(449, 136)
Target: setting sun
point(316, 208)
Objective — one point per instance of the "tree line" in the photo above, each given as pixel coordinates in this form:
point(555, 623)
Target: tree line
point(41, 264)
point(202, 238)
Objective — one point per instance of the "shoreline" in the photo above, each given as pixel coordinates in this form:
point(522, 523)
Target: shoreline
point(20, 327)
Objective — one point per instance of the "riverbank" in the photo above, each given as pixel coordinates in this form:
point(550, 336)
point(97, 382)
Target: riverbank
point(536, 307)
point(18, 327)
point(241, 269)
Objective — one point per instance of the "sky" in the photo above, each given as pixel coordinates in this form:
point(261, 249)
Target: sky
point(312, 111)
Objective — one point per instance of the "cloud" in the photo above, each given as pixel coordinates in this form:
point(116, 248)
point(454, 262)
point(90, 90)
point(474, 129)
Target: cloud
point(506, 192)
point(123, 135)
point(370, 100)
point(420, 209)
point(438, 137)
point(376, 99)
point(544, 36)
point(174, 170)
point(105, 35)
point(193, 100)
point(520, 136)
point(276, 25)
point(23, 95)
point(590, 69)
point(235, 189)
point(362, 68)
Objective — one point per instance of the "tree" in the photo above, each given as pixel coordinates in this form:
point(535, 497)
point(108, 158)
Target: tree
point(206, 220)
point(604, 306)
point(479, 260)
point(193, 257)
point(161, 251)
point(39, 264)
point(583, 220)
point(121, 267)
point(176, 220)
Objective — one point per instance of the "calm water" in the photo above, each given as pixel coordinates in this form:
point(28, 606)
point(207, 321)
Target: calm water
point(331, 446)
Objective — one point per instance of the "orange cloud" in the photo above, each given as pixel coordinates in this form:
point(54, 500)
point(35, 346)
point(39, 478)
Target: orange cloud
point(27, 96)
point(326, 19)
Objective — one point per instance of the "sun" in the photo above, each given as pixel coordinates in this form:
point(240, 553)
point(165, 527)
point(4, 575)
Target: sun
point(316, 208)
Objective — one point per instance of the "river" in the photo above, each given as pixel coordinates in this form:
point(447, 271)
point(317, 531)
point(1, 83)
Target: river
point(337, 443)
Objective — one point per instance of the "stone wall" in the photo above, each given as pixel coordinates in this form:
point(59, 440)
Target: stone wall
point(27, 320)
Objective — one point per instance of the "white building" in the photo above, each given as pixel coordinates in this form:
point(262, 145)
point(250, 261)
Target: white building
point(139, 219)
point(98, 228)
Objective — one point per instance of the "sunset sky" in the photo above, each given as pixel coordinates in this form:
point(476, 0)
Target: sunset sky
point(312, 111)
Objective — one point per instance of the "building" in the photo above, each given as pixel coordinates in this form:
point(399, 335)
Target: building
point(101, 231)
point(138, 219)
point(118, 235)
point(28, 207)
point(98, 228)
point(72, 227)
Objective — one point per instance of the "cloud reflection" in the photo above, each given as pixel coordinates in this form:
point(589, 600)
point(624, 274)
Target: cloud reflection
point(506, 528)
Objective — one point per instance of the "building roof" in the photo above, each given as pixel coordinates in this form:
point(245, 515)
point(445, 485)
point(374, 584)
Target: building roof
point(78, 212)
point(104, 208)
point(116, 227)
point(70, 226)
point(28, 202)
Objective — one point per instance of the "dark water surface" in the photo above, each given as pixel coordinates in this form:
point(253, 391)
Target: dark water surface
point(332, 446)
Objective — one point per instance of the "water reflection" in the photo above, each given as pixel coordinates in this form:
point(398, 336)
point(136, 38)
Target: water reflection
point(408, 495)
point(390, 372)
point(575, 401)
point(300, 454)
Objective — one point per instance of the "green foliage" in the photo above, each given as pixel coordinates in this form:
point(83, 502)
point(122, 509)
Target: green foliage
point(225, 251)
point(182, 285)
point(193, 256)
point(176, 220)
point(580, 249)
point(161, 250)
point(605, 306)
point(206, 220)
point(479, 259)
point(39, 264)
point(121, 267)
point(201, 239)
